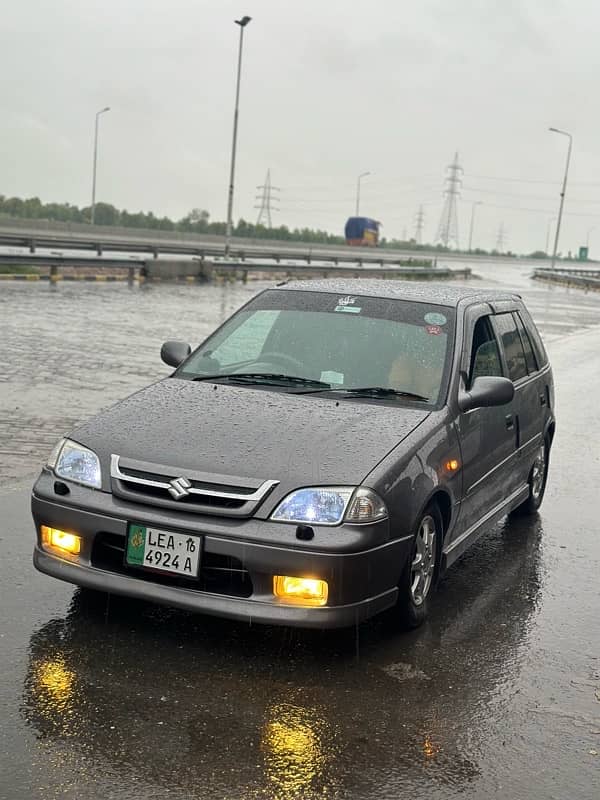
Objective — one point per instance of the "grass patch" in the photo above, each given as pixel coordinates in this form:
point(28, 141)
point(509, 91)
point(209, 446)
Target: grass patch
point(17, 269)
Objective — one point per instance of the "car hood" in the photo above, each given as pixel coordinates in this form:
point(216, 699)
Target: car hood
point(298, 440)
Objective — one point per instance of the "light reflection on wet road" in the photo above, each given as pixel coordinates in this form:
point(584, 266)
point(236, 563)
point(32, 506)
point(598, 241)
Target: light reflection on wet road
point(495, 697)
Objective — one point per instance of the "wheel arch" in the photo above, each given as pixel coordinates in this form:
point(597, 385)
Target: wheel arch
point(443, 501)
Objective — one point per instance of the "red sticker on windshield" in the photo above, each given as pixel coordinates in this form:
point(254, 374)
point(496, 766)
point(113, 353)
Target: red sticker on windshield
point(434, 330)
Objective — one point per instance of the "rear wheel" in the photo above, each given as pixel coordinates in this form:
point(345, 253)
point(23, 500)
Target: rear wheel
point(537, 482)
point(420, 573)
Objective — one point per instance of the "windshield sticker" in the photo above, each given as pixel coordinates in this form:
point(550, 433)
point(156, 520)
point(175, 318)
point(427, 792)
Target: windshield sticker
point(433, 318)
point(434, 330)
point(332, 377)
point(349, 309)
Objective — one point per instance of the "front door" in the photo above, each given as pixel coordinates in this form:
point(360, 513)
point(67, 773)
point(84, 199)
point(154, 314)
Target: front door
point(488, 436)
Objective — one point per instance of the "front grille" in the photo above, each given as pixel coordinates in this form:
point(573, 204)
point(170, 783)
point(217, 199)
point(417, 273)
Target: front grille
point(157, 493)
point(186, 490)
point(219, 574)
point(128, 472)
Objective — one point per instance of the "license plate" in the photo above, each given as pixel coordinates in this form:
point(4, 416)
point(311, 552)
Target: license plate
point(163, 551)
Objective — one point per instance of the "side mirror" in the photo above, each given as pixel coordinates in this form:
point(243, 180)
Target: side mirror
point(173, 353)
point(486, 391)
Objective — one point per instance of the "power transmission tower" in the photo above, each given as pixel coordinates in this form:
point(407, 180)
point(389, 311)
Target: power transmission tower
point(501, 239)
point(266, 200)
point(419, 225)
point(448, 227)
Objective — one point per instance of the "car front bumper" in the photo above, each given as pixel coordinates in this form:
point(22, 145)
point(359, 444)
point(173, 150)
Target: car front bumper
point(362, 582)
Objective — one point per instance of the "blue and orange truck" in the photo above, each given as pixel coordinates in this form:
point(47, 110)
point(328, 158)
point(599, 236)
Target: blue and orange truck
point(362, 232)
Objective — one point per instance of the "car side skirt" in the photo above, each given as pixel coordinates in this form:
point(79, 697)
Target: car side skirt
point(455, 549)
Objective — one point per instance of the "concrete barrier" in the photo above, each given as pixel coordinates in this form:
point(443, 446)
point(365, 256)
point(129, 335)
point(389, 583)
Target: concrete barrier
point(589, 280)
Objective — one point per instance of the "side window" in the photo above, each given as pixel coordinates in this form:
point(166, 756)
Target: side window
point(247, 341)
point(513, 347)
point(529, 354)
point(485, 355)
point(534, 337)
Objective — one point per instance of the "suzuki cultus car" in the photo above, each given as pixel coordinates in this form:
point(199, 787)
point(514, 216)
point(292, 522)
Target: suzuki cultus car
point(321, 457)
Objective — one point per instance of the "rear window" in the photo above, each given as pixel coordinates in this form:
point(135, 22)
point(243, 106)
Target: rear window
point(527, 347)
point(536, 340)
point(513, 347)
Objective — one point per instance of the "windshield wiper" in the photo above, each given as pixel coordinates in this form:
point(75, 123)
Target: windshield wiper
point(370, 391)
point(270, 378)
point(381, 391)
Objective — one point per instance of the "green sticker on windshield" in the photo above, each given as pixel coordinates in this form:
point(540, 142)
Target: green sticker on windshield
point(433, 318)
point(347, 303)
point(349, 309)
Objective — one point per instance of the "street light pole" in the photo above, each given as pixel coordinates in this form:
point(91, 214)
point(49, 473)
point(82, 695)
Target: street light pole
point(93, 210)
point(358, 180)
point(242, 23)
point(551, 222)
point(563, 192)
point(476, 203)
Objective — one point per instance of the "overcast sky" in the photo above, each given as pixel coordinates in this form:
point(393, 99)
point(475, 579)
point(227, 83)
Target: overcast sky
point(330, 88)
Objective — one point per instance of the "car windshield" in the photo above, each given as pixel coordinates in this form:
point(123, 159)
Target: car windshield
point(323, 340)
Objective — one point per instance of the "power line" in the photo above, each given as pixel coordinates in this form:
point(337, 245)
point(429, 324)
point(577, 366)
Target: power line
point(448, 227)
point(266, 200)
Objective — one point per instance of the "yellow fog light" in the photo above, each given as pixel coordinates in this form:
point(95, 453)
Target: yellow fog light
point(303, 591)
point(61, 540)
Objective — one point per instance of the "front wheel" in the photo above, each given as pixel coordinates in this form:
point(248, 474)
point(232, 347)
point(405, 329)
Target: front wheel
point(420, 573)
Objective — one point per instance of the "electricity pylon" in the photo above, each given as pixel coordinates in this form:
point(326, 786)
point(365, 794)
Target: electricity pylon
point(448, 227)
point(266, 200)
point(419, 225)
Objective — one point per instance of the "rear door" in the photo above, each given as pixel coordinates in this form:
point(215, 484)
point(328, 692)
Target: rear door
point(530, 395)
point(487, 435)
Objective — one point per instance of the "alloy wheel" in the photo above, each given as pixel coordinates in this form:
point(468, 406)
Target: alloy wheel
point(538, 473)
point(423, 565)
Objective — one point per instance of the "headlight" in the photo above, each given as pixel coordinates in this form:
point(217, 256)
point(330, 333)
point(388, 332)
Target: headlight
point(329, 505)
point(76, 463)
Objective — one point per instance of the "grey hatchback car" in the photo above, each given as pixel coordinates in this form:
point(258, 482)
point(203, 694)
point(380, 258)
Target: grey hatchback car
point(321, 457)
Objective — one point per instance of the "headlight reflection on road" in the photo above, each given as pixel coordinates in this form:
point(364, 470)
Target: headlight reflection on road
point(429, 748)
point(296, 751)
point(53, 686)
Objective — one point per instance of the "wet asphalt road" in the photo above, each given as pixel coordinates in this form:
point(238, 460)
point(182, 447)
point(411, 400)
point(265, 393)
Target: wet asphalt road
point(497, 696)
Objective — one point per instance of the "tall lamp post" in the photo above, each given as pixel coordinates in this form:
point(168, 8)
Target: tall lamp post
point(242, 23)
point(358, 180)
point(548, 229)
point(563, 192)
point(93, 210)
point(475, 204)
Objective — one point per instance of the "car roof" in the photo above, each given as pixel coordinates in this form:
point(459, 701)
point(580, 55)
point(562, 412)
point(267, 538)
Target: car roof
point(422, 292)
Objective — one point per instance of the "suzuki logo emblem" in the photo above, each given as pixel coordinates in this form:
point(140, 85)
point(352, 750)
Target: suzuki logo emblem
point(179, 488)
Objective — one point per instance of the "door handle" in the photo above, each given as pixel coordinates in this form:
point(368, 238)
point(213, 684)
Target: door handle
point(510, 423)
point(542, 399)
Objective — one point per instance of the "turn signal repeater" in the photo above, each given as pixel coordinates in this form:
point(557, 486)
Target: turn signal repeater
point(452, 465)
point(300, 591)
point(61, 542)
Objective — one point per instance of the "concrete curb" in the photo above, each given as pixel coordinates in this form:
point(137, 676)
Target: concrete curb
point(57, 278)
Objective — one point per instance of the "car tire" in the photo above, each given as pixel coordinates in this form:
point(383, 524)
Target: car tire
point(420, 573)
point(537, 482)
